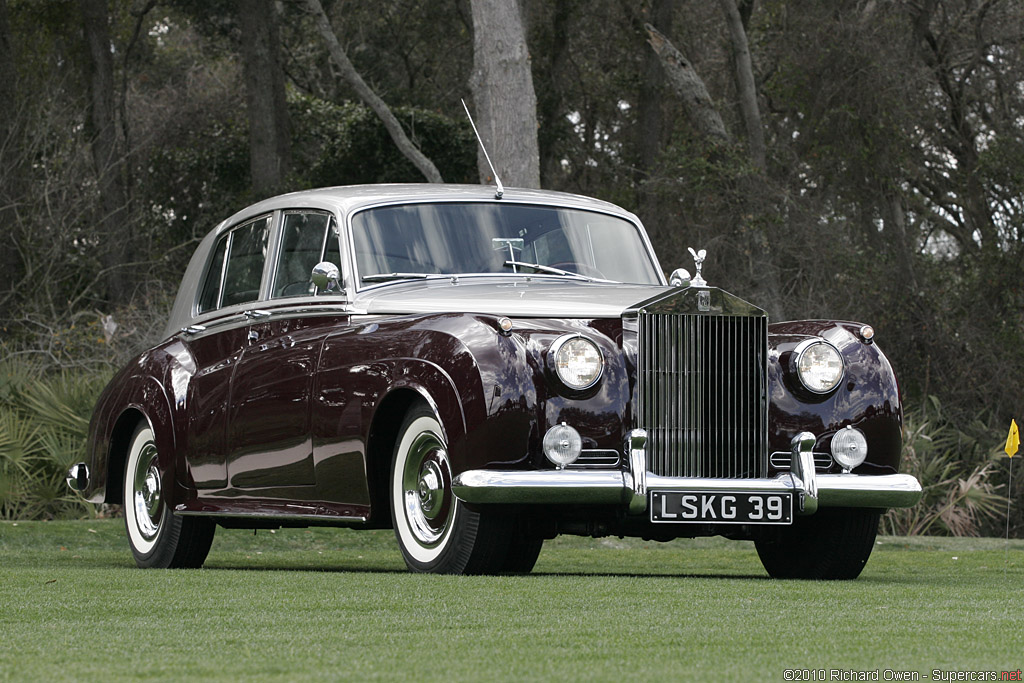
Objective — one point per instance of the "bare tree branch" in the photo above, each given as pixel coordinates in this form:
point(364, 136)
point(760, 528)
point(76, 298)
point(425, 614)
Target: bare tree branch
point(745, 84)
point(690, 88)
point(367, 95)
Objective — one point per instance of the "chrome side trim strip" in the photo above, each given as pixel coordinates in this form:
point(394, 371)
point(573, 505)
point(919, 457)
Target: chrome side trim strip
point(283, 516)
point(614, 487)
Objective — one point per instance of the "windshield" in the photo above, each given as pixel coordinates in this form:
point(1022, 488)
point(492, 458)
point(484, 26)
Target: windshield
point(423, 239)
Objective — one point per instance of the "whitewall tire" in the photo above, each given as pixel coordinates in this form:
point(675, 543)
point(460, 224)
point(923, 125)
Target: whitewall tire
point(436, 532)
point(157, 537)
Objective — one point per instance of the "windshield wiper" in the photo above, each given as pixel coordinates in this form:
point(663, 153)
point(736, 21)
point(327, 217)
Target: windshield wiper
point(384, 277)
point(547, 269)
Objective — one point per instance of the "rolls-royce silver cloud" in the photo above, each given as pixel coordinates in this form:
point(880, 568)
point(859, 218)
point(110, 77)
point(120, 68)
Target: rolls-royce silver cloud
point(482, 371)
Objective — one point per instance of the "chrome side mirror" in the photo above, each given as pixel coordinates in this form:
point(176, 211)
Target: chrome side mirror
point(326, 276)
point(680, 277)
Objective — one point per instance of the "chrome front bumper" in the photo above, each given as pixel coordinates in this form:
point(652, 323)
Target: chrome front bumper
point(629, 488)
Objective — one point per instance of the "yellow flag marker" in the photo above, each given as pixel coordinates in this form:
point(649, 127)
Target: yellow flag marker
point(1012, 442)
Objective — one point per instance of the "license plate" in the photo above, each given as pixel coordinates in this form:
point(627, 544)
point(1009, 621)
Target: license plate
point(721, 507)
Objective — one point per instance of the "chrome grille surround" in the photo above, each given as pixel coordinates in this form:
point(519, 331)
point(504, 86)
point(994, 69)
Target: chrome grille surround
point(701, 385)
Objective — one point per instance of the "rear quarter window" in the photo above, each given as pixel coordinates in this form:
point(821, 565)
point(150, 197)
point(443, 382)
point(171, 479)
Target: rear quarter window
point(236, 280)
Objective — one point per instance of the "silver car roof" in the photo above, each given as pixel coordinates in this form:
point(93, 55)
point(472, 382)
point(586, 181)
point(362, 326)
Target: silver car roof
point(348, 199)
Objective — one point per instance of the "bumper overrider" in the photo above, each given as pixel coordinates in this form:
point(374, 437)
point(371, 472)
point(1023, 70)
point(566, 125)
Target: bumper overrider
point(629, 488)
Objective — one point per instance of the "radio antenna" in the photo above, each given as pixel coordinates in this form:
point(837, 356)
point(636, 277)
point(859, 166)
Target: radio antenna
point(500, 190)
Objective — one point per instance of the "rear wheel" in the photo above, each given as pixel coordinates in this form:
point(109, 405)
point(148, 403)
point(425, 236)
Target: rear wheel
point(832, 544)
point(157, 537)
point(436, 532)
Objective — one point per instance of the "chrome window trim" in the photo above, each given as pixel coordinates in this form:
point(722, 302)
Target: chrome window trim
point(223, 271)
point(357, 287)
point(334, 228)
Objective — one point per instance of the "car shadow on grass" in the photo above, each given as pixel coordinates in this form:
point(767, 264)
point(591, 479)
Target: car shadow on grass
point(652, 575)
point(352, 569)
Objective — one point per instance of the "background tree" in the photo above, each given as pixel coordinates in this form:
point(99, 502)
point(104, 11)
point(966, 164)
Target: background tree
point(502, 86)
point(9, 259)
point(270, 152)
point(367, 95)
point(115, 231)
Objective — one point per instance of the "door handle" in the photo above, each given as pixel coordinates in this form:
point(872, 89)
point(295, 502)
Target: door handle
point(257, 313)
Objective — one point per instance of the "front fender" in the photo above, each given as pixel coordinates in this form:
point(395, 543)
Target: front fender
point(868, 397)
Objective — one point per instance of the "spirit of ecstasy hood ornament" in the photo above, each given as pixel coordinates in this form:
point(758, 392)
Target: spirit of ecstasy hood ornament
point(698, 261)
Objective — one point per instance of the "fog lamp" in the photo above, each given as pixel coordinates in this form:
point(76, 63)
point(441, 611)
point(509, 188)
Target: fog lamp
point(849, 448)
point(562, 445)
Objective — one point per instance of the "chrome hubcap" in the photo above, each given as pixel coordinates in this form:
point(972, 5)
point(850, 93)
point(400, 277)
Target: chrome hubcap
point(146, 495)
point(431, 493)
point(426, 483)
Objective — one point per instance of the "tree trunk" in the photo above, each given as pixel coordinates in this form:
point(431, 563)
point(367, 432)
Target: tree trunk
point(502, 87)
point(367, 95)
point(9, 260)
point(116, 238)
point(745, 84)
point(269, 136)
point(650, 126)
point(691, 89)
point(894, 222)
point(550, 102)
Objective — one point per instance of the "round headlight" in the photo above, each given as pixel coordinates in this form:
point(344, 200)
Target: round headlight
point(562, 445)
point(819, 365)
point(849, 448)
point(578, 361)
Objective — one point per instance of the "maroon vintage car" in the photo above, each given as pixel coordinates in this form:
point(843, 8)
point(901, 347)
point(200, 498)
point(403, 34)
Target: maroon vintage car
point(481, 372)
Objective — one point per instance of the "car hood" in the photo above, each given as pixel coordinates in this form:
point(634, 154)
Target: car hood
point(536, 297)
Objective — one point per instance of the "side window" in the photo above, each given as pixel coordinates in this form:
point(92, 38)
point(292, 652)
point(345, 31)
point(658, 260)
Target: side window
point(246, 256)
point(210, 297)
point(236, 279)
point(306, 239)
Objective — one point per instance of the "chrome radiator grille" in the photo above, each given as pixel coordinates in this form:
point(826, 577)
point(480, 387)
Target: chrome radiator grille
point(702, 394)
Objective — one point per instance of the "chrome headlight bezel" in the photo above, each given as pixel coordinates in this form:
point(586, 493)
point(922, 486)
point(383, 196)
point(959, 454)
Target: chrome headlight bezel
point(558, 361)
point(803, 355)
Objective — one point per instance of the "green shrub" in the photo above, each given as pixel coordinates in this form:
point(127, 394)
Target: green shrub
point(44, 422)
point(959, 469)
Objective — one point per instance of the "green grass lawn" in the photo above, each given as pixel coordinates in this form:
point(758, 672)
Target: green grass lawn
point(327, 604)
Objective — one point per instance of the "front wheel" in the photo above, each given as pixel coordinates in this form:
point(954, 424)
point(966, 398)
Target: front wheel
point(436, 532)
point(157, 537)
point(832, 544)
